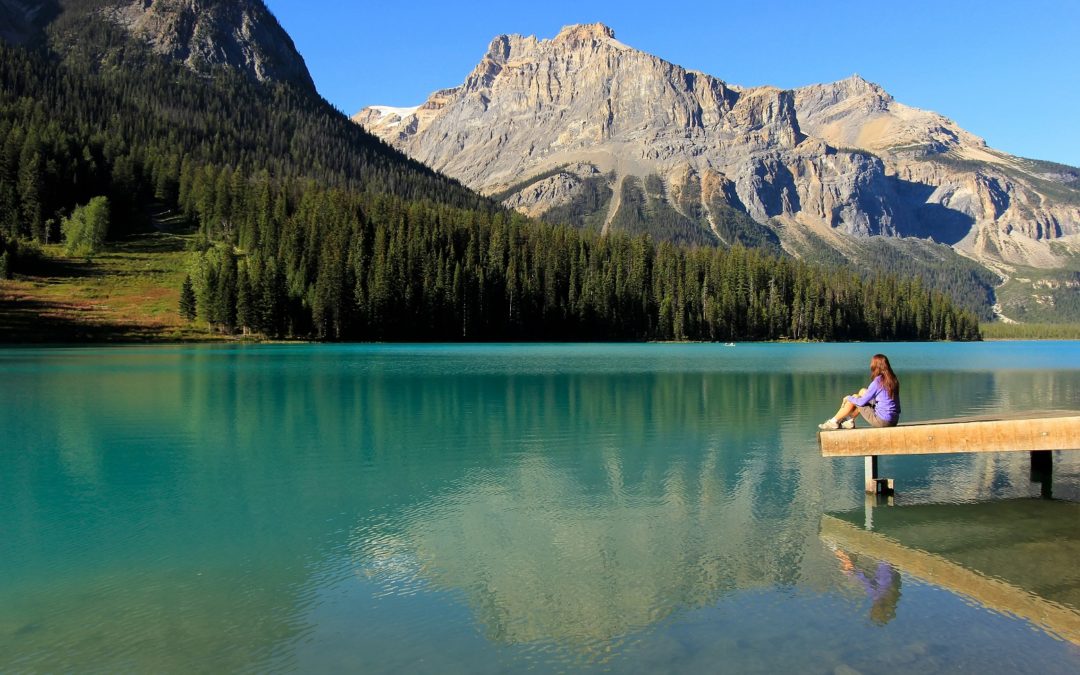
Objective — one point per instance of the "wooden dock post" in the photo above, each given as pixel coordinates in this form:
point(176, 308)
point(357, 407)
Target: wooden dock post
point(1042, 462)
point(875, 484)
point(1042, 472)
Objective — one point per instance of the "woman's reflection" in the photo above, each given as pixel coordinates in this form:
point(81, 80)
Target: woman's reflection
point(883, 588)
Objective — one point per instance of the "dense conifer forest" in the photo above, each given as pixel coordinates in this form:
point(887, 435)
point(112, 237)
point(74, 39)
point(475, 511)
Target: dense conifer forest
point(309, 227)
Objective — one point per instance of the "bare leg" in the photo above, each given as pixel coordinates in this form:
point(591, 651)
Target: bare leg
point(847, 408)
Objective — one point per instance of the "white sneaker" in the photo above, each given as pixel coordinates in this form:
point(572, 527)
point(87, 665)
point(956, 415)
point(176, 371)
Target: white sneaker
point(829, 424)
point(848, 424)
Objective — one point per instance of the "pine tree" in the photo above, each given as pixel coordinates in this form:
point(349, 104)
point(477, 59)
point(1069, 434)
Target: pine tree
point(187, 299)
point(31, 187)
point(245, 308)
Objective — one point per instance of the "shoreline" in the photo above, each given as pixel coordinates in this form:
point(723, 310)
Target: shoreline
point(129, 294)
point(6, 341)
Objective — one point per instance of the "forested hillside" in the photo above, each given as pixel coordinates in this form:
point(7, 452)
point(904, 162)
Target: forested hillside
point(309, 227)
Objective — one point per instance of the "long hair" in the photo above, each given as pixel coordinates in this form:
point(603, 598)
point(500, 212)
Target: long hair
point(879, 365)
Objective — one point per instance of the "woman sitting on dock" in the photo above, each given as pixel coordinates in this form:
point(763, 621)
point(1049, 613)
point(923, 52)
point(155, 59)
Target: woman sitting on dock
point(879, 403)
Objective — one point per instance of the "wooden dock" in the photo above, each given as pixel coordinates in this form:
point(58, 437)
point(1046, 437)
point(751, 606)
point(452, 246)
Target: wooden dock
point(1038, 433)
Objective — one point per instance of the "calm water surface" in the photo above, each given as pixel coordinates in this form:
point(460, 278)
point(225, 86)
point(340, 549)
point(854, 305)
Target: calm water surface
point(482, 509)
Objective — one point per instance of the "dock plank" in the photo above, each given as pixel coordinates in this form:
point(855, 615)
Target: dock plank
point(1021, 432)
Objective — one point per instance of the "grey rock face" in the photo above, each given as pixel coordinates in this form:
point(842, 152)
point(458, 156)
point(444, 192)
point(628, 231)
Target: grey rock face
point(541, 196)
point(241, 34)
point(836, 160)
point(583, 98)
point(988, 204)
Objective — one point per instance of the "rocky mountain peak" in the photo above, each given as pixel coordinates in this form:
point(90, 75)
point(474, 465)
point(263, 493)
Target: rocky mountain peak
point(584, 99)
point(586, 128)
point(204, 34)
point(584, 33)
point(499, 49)
point(853, 92)
point(857, 84)
point(856, 113)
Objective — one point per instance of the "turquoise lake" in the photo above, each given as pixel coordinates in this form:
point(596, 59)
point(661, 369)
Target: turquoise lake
point(501, 508)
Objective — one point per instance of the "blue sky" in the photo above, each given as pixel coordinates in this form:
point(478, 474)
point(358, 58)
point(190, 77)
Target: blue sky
point(1007, 71)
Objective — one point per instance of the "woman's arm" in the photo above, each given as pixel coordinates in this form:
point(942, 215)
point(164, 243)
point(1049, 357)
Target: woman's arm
point(871, 392)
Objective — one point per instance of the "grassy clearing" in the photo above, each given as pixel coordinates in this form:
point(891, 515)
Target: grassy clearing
point(129, 293)
point(1030, 331)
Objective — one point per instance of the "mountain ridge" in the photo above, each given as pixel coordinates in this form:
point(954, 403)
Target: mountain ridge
point(574, 126)
point(852, 114)
point(241, 33)
point(202, 34)
point(703, 118)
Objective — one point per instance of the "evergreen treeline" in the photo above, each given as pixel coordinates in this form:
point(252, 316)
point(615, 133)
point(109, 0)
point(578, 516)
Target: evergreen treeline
point(967, 282)
point(308, 226)
point(338, 265)
point(644, 206)
point(588, 209)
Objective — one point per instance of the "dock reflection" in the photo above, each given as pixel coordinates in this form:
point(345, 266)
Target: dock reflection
point(1015, 557)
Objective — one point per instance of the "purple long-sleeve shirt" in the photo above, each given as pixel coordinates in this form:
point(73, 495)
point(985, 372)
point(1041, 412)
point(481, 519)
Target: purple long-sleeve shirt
point(882, 582)
point(884, 407)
